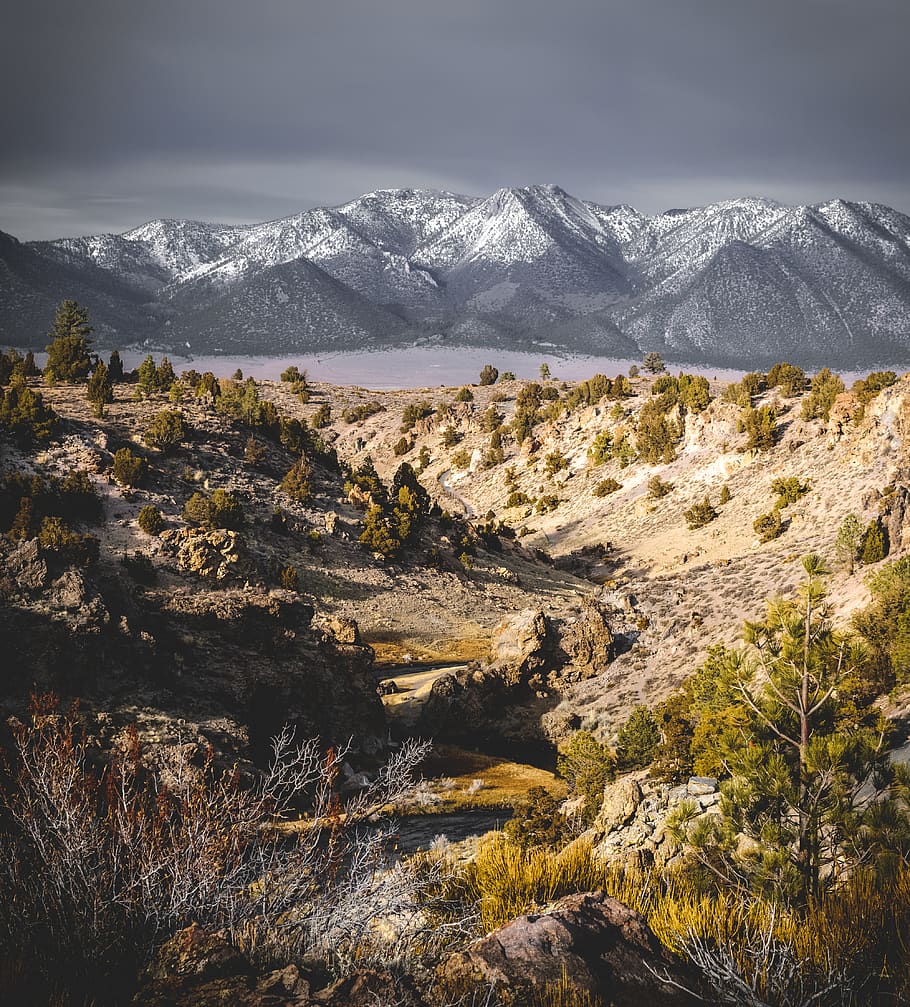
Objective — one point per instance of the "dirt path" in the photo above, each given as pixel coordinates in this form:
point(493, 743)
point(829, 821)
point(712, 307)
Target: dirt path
point(412, 689)
point(469, 510)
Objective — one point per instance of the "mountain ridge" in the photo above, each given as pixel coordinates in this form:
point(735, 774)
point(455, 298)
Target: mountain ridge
point(742, 281)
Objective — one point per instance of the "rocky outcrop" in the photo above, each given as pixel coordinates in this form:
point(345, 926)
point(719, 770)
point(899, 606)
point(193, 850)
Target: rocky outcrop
point(632, 822)
point(896, 517)
point(217, 554)
point(223, 667)
point(521, 649)
point(26, 567)
point(589, 644)
point(201, 968)
point(533, 660)
point(590, 942)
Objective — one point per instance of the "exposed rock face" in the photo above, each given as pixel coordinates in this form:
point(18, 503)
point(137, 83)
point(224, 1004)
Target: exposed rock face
point(533, 659)
point(594, 943)
point(228, 668)
point(621, 801)
point(26, 567)
point(896, 517)
point(589, 643)
point(519, 647)
point(632, 819)
point(216, 555)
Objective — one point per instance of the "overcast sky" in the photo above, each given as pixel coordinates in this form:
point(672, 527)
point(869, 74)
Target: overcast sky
point(118, 111)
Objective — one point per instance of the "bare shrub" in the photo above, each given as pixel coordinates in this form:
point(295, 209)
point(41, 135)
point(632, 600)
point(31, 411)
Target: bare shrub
point(99, 865)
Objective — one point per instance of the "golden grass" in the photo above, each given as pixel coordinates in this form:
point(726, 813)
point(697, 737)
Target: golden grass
point(394, 648)
point(861, 930)
point(505, 783)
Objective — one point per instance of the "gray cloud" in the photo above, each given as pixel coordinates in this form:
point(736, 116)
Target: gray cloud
point(227, 110)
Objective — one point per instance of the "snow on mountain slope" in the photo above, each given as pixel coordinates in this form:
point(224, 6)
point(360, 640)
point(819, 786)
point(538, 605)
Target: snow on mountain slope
point(742, 280)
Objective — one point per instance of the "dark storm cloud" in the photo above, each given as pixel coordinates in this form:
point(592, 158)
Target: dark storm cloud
point(229, 110)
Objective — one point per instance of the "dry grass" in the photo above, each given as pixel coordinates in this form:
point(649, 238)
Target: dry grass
point(396, 648)
point(505, 783)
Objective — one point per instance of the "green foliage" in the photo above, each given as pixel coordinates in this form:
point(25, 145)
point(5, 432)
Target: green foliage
point(288, 578)
point(517, 499)
point(26, 500)
point(653, 362)
point(198, 509)
point(865, 389)
point(760, 426)
point(177, 393)
point(601, 450)
point(462, 459)
point(378, 535)
point(99, 390)
point(507, 376)
point(115, 367)
point(151, 520)
point(605, 487)
point(537, 821)
point(293, 374)
point(488, 374)
point(464, 395)
point(725, 495)
point(875, 543)
point(699, 514)
point(657, 488)
point(790, 379)
point(402, 446)
point(365, 479)
point(547, 502)
point(147, 378)
point(226, 510)
point(241, 401)
point(414, 412)
point(527, 411)
point(165, 376)
point(65, 546)
point(555, 462)
point(166, 431)
point(800, 787)
point(24, 416)
point(129, 469)
point(744, 392)
point(885, 624)
point(637, 740)
point(68, 357)
point(788, 490)
point(588, 766)
point(491, 420)
point(361, 412)
point(656, 436)
point(768, 526)
point(544, 371)
point(825, 387)
point(322, 417)
point(690, 391)
point(297, 480)
point(849, 541)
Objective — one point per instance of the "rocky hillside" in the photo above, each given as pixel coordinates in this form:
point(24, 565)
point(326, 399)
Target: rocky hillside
point(669, 590)
point(742, 282)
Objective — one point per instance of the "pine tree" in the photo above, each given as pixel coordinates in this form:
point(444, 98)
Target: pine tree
point(849, 541)
point(637, 740)
point(653, 363)
point(115, 368)
point(99, 390)
point(68, 357)
point(146, 378)
point(812, 784)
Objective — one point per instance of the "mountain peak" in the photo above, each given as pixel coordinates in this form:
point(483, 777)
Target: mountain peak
point(739, 280)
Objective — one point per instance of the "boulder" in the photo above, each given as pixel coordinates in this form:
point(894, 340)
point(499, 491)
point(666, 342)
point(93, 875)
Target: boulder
point(26, 567)
point(699, 786)
point(216, 555)
point(621, 801)
point(589, 644)
point(520, 646)
point(591, 944)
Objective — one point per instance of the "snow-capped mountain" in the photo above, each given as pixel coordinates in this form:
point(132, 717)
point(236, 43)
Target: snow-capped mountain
point(745, 281)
